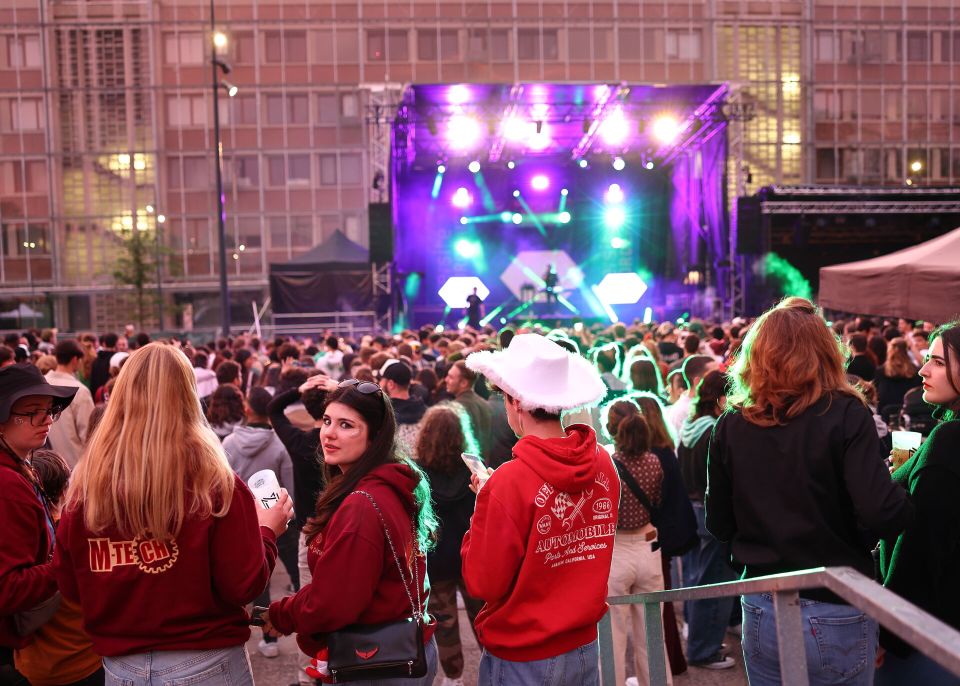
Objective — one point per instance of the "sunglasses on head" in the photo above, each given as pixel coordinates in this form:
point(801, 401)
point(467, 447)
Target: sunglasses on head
point(365, 387)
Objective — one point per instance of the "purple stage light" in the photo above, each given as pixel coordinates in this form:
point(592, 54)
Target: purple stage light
point(539, 138)
point(462, 198)
point(458, 94)
point(614, 194)
point(540, 182)
point(615, 128)
point(666, 129)
point(463, 132)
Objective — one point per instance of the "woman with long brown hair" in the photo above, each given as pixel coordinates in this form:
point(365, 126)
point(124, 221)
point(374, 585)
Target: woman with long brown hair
point(895, 377)
point(794, 483)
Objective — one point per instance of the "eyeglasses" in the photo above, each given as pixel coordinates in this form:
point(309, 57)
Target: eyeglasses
point(365, 387)
point(38, 417)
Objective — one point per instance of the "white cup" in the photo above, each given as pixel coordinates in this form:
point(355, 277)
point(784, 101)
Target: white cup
point(905, 443)
point(265, 487)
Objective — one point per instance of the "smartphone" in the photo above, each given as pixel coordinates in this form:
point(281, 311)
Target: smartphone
point(475, 465)
point(256, 616)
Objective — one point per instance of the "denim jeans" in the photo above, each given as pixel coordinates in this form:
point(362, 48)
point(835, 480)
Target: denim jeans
point(430, 651)
point(579, 667)
point(220, 666)
point(840, 642)
point(707, 620)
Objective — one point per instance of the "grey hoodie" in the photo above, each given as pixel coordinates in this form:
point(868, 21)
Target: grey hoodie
point(252, 448)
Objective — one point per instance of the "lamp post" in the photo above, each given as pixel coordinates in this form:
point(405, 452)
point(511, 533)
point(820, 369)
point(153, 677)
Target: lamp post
point(158, 224)
point(218, 40)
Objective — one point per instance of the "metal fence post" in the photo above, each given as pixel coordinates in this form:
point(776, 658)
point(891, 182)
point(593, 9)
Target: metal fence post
point(656, 655)
point(607, 668)
point(790, 643)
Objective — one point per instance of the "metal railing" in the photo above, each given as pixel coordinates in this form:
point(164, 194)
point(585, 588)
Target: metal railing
point(923, 631)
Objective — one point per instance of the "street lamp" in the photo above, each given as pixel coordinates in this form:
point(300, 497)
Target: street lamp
point(219, 41)
point(159, 220)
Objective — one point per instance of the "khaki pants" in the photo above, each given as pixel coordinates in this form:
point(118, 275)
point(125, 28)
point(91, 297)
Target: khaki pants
point(635, 569)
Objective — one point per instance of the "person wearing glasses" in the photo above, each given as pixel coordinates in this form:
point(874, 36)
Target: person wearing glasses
point(160, 542)
point(357, 580)
point(28, 407)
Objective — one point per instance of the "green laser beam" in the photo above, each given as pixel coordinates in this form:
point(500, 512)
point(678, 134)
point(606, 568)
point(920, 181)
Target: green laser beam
point(533, 217)
point(486, 320)
point(437, 182)
point(487, 198)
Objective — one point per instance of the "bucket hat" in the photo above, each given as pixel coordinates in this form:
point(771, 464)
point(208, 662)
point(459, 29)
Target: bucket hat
point(20, 380)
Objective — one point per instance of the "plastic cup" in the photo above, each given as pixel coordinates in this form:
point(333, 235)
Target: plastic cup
point(265, 487)
point(905, 443)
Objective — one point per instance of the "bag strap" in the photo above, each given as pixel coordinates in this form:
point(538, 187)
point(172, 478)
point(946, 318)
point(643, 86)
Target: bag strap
point(634, 487)
point(415, 608)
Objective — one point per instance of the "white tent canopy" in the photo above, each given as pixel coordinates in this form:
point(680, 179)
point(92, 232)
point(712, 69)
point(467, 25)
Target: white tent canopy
point(921, 282)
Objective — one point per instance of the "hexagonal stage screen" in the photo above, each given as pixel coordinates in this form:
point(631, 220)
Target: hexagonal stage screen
point(542, 190)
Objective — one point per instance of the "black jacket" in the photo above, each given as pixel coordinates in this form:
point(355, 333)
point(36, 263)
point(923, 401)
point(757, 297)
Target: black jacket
point(303, 448)
point(408, 411)
point(809, 493)
point(453, 501)
point(923, 564)
point(100, 370)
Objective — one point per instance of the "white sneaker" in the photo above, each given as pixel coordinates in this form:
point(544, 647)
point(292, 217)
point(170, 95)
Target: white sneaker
point(268, 649)
point(447, 681)
point(631, 681)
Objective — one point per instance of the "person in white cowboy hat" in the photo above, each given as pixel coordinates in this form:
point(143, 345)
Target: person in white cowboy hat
point(540, 543)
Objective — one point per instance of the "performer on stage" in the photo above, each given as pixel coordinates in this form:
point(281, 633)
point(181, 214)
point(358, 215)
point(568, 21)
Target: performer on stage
point(474, 310)
point(550, 284)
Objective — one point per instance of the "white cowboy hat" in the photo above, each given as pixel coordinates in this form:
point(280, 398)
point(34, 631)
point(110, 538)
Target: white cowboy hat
point(541, 374)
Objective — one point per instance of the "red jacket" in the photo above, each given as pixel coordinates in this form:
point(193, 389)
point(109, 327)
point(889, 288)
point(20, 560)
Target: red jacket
point(539, 547)
point(187, 594)
point(355, 578)
point(26, 579)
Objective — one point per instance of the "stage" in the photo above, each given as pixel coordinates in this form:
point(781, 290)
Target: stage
point(618, 189)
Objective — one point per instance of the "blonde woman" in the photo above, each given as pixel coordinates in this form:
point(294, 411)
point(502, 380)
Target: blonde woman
point(160, 542)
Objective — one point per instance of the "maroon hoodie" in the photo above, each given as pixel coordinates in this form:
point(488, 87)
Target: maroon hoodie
point(25, 578)
point(186, 594)
point(539, 547)
point(356, 580)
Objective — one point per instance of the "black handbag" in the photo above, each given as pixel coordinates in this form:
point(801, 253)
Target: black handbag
point(394, 650)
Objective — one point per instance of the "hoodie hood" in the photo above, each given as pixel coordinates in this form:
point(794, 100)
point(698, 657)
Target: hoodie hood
point(408, 411)
point(449, 488)
point(399, 478)
point(249, 441)
point(693, 429)
point(569, 463)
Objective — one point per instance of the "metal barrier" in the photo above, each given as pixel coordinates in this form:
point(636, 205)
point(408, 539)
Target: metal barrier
point(926, 633)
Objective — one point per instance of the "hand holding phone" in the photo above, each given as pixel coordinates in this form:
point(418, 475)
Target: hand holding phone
point(480, 472)
point(258, 617)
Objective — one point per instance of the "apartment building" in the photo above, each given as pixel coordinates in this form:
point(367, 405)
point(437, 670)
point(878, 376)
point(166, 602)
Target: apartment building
point(106, 117)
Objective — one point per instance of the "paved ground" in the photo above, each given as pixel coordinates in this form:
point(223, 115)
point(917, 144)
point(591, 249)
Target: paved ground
point(282, 670)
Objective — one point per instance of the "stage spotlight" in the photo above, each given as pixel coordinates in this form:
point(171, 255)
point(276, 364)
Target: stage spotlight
point(511, 164)
point(564, 192)
point(517, 218)
point(463, 220)
point(618, 163)
point(516, 194)
point(564, 217)
point(615, 128)
point(467, 249)
point(441, 169)
point(649, 164)
point(540, 139)
point(515, 129)
point(583, 164)
point(614, 217)
point(458, 94)
point(505, 217)
point(618, 243)
point(666, 129)
point(462, 199)
point(463, 132)
point(614, 194)
point(540, 182)
point(474, 166)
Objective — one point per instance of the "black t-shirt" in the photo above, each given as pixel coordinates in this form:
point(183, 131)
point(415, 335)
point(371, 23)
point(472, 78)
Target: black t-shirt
point(670, 352)
point(473, 307)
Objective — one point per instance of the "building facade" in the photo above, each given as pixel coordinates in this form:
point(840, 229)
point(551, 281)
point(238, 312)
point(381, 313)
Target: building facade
point(106, 119)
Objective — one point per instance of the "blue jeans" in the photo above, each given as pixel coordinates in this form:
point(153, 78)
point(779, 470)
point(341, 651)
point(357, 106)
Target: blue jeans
point(220, 666)
point(430, 651)
point(840, 642)
point(579, 667)
point(707, 620)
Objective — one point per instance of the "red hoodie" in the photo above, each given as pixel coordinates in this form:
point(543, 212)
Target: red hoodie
point(187, 594)
point(539, 546)
point(355, 579)
point(25, 578)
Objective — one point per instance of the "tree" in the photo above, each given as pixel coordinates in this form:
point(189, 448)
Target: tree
point(137, 266)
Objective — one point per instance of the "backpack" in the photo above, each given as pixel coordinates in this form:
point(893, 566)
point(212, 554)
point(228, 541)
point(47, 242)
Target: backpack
point(675, 521)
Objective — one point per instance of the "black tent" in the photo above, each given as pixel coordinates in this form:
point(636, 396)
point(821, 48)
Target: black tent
point(333, 276)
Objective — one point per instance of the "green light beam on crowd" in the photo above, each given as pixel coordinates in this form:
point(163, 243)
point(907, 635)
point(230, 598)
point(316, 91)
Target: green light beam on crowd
point(533, 217)
point(479, 219)
point(520, 309)
point(437, 182)
point(486, 320)
point(446, 311)
point(606, 307)
point(486, 197)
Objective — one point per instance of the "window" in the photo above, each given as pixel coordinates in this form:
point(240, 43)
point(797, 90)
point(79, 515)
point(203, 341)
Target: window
point(892, 169)
point(528, 44)
point(826, 164)
point(892, 106)
point(244, 48)
point(298, 169)
point(23, 176)
point(24, 51)
point(824, 105)
point(850, 163)
point(275, 110)
point(292, 108)
point(433, 44)
point(26, 114)
point(187, 110)
point(683, 45)
point(249, 232)
point(631, 44)
point(328, 170)
point(18, 234)
point(578, 45)
point(492, 44)
point(918, 46)
point(351, 226)
point(324, 46)
point(872, 163)
point(286, 46)
point(871, 104)
point(301, 232)
point(277, 233)
point(277, 169)
point(940, 106)
point(246, 171)
point(184, 48)
point(244, 109)
point(351, 169)
point(392, 45)
point(848, 104)
point(327, 111)
point(917, 105)
point(196, 235)
point(196, 173)
point(348, 47)
point(828, 48)
point(349, 108)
